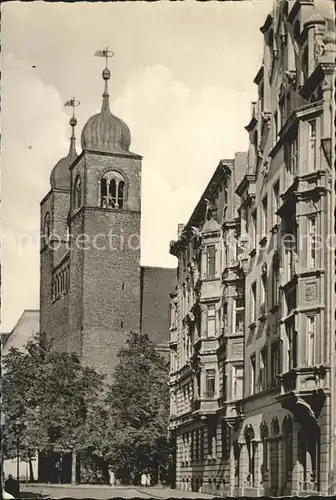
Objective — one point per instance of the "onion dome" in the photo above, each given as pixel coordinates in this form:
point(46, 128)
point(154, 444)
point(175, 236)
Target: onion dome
point(104, 131)
point(60, 174)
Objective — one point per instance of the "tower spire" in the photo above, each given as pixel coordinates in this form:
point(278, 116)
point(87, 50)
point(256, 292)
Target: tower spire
point(106, 76)
point(73, 122)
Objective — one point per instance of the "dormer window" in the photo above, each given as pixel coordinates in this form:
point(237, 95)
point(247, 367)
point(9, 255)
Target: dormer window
point(77, 192)
point(112, 191)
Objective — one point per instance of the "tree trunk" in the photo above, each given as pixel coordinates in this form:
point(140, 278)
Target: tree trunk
point(73, 467)
point(18, 462)
point(31, 470)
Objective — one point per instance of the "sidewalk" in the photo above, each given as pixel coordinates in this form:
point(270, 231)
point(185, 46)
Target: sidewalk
point(105, 492)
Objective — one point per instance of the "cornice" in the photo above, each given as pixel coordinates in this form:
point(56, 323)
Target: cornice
point(246, 181)
point(259, 75)
point(320, 72)
point(265, 27)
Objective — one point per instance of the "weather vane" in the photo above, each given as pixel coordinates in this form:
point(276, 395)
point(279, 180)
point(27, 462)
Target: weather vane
point(73, 103)
point(105, 53)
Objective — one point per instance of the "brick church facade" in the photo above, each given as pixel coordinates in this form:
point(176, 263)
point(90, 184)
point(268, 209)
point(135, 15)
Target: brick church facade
point(93, 291)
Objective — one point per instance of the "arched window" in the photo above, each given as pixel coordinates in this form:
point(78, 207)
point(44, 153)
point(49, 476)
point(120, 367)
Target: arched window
point(54, 289)
point(236, 454)
point(112, 191)
point(264, 455)
point(250, 445)
point(112, 201)
point(275, 429)
point(103, 193)
point(287, 431)
point(121, 189)
point(77, 192)
point(46, 227)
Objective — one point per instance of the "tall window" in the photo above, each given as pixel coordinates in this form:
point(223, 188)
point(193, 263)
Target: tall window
point(197, 450)
point(292, 344)
point(293, 157)
point(275, 362)
point(225, 441)
point(202, 444)
point(210, 384)
point(312, 145)
point(211, 261)
point(264, 217)
point(211, 440)
point(112, 190)
point(254, 229)
point(263, 298)
point(311, 340)
point(46, 228)
point(237, 382)
point(172, 315)
point(282, 112)
point(276, 202)
point(275, 281)
point(312, 242)
point(254, 302)
point(264, 455)
point(288, 445)
point(77, 192)
point(212, 320)
point(263, 368)
point(238, 314)
point(275, 128)
point(253, 373)
point(249, 439)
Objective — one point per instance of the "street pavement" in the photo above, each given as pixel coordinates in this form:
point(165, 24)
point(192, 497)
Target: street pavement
point(104, 492)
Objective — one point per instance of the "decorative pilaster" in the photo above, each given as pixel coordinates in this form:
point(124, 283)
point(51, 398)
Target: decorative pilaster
point(281, 475)
point(232, 466)
point(257, 464)
point(243, 469)
point(297, 476)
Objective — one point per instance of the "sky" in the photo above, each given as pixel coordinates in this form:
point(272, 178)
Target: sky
point(182, 79)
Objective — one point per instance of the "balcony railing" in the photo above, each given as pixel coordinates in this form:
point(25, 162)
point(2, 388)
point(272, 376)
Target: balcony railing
point(209, 395)
point(303, 379)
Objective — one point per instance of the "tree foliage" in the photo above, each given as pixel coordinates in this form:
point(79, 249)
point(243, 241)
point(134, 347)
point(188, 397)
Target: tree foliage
point(47, 398)
point(139, 410)
point(54, 404)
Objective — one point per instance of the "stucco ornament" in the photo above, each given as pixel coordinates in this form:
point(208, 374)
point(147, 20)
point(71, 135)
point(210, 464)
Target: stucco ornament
point(319, 49)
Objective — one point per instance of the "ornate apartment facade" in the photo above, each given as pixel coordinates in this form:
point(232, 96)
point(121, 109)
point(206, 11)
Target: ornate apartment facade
point(252, 337)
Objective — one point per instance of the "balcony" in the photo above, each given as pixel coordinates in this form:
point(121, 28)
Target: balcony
point(206, 405)
point(173, 337)
point(303, 380)
point(303, 393)
point(234, 414)
point(211, 288)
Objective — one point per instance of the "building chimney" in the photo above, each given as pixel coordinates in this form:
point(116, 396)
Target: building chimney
point(180, 228)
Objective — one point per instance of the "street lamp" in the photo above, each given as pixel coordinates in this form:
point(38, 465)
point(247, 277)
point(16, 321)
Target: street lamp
point(326, 147)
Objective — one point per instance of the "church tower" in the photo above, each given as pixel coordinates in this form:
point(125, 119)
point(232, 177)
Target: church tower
point(95, 201)
point(54, 252)
point(104, 221)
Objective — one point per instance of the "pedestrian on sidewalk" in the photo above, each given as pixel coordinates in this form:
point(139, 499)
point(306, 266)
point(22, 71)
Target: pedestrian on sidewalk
point(12, 486)
point(112, 478)
point(148, 479)
point(143, 479)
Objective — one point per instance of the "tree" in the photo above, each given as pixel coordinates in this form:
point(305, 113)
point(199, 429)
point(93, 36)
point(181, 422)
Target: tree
point(47, 397)
point(139, 410)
